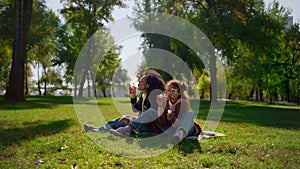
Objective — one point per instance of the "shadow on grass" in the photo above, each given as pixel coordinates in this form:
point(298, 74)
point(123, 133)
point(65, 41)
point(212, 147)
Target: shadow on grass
point(30, 130)
point(33, 102)
point(189, 146)
point(47, 102)
point(262, 114)
point(186, 146)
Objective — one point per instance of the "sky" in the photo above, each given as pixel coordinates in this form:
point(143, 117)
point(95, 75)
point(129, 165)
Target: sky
point(293, 5)
point(119, 13)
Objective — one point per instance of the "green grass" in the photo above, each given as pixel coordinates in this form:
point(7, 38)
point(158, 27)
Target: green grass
point(44, 132)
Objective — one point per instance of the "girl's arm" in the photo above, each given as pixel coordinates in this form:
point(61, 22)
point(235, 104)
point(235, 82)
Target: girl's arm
point(161, 102)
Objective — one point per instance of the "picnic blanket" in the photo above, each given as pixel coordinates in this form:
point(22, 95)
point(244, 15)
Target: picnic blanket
point(206, 135)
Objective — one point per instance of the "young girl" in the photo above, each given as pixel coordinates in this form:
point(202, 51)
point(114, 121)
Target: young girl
point(177, 112)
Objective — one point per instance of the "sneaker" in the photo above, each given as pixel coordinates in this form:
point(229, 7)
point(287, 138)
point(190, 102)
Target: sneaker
point(177, 137)
point(89, 128)
point(121, 131)
point(103, 129)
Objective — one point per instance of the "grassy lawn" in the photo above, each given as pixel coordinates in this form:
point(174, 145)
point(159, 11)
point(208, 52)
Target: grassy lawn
point(44, 132)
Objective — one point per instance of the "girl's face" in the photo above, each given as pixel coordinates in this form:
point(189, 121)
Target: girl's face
point(172, 93)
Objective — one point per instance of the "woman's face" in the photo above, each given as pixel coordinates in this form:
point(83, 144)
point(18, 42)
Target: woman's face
point(142, 83)
point(172, 93)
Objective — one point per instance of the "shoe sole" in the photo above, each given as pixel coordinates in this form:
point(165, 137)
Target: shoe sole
point(116, 133)
point(89, 128)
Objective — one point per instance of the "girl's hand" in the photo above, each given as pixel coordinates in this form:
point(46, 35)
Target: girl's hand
point(161, 101)
point(170, 115)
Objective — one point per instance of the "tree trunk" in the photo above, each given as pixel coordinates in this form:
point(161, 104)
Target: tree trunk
point(75, 87)
point(38, 80)
point(45, 81)
point(287, 89)
point(45, 87)
point(230, 96)
point(93, 84)
point(104, 93)
point(257, 95)
point(261, 96)
point(83, 78)
point(15, 88)
point(26, 78)
point(251, 95)
point(275, 96)
point(88, 84)
point(85, 73)
point(213, 77)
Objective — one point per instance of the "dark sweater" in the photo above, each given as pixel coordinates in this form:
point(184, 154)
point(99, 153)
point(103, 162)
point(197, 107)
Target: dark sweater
point(137, 103)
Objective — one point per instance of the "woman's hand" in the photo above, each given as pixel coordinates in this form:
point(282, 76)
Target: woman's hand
point(126, 120)
point(132, 90)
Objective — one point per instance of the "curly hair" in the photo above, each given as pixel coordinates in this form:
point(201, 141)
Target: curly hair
point(155, 85)
point(154, 81)
point(181, 86)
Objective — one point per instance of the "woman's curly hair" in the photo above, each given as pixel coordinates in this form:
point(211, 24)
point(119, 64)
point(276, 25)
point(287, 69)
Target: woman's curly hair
point(154, 81)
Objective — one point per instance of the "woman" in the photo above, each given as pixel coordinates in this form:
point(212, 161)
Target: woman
point(150, 81)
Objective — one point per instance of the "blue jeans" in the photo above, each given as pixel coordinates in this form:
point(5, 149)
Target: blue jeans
point(141, 124)
point(114, 124)
point(186, 123)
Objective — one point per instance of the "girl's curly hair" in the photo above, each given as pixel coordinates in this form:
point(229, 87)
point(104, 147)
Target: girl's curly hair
point(179, 85)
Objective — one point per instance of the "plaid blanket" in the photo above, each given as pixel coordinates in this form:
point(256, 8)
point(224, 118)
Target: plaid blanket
point(206, 135)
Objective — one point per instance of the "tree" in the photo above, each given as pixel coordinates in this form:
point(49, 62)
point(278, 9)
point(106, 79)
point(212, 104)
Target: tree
point(166, 43)
point(6, 39)
point(5, 62)
point(42, 39)
point(222, 21)
point(52, 81)
point(203, 85)
point(84, 18)
point(107, 67)
point(69, 44)
point(258, 47)
point(249, 38)
point(15, 88)
point(286, 65)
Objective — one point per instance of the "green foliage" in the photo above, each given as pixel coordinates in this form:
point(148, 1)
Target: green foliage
point(261, 55)
point(83, 19)
point(5, 62)
point(106, 69)
point(246, 34)
point(42, 42)
point(6, 39)
point(204, 85)
point(41, 37)
point(163, 42)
